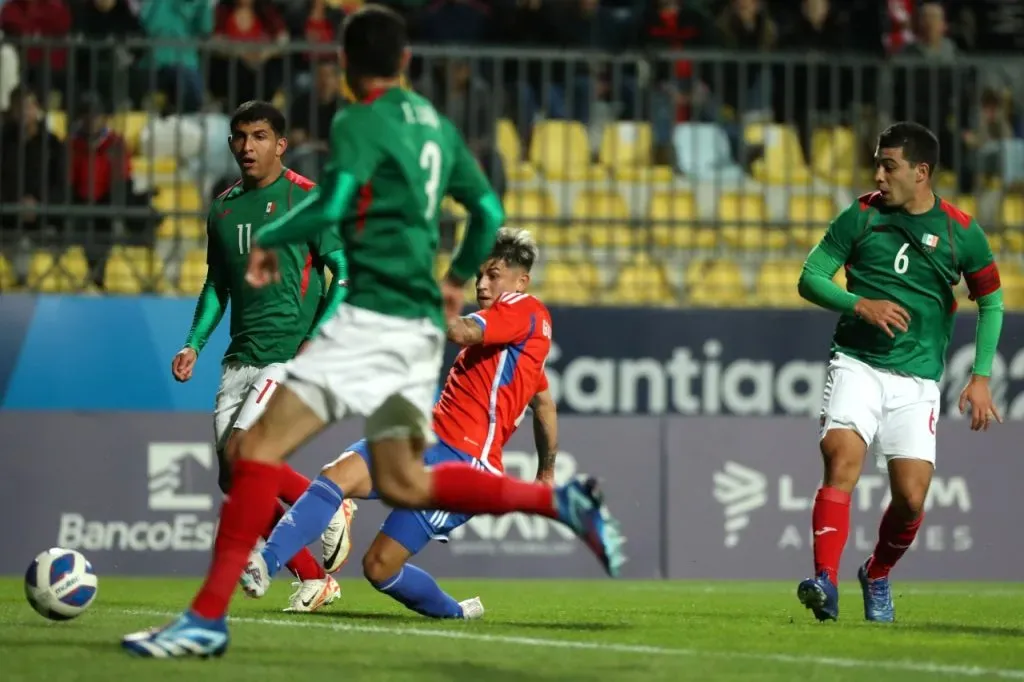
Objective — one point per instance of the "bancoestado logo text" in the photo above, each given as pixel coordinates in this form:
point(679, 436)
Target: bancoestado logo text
point(518, 534)
point(697, 381)
point(743, 492)
point(180, 520)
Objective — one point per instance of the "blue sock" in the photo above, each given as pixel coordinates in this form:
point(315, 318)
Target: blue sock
point(417, 590)
point(305, 522)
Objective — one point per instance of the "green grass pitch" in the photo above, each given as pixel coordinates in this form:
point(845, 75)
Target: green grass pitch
point(538, 631)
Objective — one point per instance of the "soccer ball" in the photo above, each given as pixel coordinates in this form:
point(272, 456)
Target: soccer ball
point(60, 584)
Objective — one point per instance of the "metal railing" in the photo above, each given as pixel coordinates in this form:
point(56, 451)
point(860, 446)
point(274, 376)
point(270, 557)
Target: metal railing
point(697, 178)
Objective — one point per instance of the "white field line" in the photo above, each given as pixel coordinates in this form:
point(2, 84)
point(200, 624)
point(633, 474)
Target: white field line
point(537, 642)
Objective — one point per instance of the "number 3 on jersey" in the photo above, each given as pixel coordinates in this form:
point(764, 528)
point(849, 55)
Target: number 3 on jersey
point(902, 261)
point(430, 161)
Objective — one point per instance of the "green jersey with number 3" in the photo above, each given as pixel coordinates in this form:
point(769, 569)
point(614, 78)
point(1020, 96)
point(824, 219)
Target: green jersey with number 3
point(406, 157)
point(913, 261)
point(268, 324)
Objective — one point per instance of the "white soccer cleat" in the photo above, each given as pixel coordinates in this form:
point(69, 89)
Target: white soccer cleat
point(472, 608)
point(313, 594)
point(255, 580)
point(337, 539)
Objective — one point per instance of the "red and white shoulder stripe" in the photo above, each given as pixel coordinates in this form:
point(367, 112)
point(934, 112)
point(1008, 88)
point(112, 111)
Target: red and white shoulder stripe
point(512, 297)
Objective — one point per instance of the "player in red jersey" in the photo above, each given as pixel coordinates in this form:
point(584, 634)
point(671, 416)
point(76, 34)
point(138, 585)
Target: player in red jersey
point(494, 378)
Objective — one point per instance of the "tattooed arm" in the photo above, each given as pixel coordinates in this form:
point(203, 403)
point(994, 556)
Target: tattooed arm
point(545, 434)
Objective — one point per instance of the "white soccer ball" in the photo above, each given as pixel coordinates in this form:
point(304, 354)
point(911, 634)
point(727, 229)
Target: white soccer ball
point(60, 584)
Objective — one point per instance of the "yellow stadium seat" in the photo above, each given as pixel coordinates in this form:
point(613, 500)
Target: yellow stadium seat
point(679, 208)
point(809, 216)
point(742, 217)
point(441, 264)
point(1012, 213)
point(945, 182)
point(511, 152)
point(783, 161)
point(834, 152)
point(641, 282)
point(130, 124)
point(8, 278)
point(181, 227)
point(776, 284)
point(133, 270)
point(183, 208)
point(646, 176)
point(755, 238)
point(192, 275)
point(967, 204)
point(562, 151)
point(604, 219)
point(143, 167)
point(1012, 279)
point(569, 282)
point(57, 122)
point(449, 205)
point(529, 206)
point(716, 283)
point(68, 273)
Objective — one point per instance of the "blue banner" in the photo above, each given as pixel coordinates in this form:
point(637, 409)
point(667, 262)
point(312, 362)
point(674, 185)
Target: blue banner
point(87, 353)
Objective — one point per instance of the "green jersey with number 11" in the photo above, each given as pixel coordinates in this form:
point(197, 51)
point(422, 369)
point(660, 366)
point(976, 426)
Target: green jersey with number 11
point(913, 261)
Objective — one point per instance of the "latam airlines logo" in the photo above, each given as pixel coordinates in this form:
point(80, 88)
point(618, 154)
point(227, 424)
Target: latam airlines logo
point(740, 490)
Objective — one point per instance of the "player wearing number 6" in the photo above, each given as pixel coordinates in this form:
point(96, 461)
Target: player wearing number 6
point(904, 249)
point(393, 158)
point(267, 325)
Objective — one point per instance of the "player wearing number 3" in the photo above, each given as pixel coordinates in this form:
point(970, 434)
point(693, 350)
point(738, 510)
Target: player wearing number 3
point(904, 249)
point(268, 326)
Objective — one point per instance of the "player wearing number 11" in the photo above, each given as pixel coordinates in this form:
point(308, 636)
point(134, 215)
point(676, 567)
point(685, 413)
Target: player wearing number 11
point(904, 249)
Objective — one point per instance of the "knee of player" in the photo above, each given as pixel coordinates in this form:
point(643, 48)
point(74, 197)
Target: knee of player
point(909, 504)
point(376, 569)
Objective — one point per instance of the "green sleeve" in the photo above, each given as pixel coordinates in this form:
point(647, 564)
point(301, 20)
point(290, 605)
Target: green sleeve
point(816, 283)
point(982, 277)
point(213, 299)
point(354, 156)
point(468, 185)
point(336, 292)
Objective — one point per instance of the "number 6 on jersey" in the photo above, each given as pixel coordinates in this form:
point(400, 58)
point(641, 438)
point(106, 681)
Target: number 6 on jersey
point(902, 261)
point(430, 161)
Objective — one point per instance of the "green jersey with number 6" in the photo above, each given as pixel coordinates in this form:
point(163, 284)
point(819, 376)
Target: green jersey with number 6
point(268, 324)
point(913, 261)
point(405, 157)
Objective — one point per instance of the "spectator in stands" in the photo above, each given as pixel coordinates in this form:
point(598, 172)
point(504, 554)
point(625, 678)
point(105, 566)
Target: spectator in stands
point(679, 94)
point(313, 22)
point(932, 42)
point(44, 67)
point(247, 65)
point(109, 22)
point(455, 21)
point(32, 173)
point(745, 27)
point(990, 143)
point(101, 175)
point(178, 68)
point(806, 93)
point(10, 72)
point(310, 120)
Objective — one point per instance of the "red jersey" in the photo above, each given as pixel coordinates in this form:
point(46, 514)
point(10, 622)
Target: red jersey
point(491, 383)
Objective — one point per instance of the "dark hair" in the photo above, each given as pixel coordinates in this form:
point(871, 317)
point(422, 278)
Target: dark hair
point(256, 110)
point(919, 144)
point(23, 90)
point(515, 248)
point(374, 39)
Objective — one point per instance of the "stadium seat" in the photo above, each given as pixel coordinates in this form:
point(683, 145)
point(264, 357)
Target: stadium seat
point(604, 219)
point(130, 124)
point(1012, 278)
point(783, 161)
point(57, 122)
point(562, 151)
point(809, 216)
point(967, 204)
point(8, 279)
point(755, 238)
point(834, 152)
point(626, 150)
point(133, 270)
point(1012, 213)
point(160, 167)
point(67, 273)
point(192, 275)
point(716, 283)
point(181, 227)
point(703, 152)
point(742, 219)
point(569, 282)
point(516, 169)
point(641, 282)
point(673, 215)
point(182, 206)
point(776, 284)
point(536, 211)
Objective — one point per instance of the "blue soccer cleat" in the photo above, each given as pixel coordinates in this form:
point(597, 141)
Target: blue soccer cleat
point(580, 506)
point(190, 635)
point(820, 596)
point(878, 606)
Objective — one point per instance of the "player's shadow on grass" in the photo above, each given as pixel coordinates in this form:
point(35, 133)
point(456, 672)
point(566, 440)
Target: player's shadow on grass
point(955, 629)
point(412, 618)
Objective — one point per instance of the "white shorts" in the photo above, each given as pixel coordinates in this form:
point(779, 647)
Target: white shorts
point(360, 358)
point(896, 415)
point(242, 397)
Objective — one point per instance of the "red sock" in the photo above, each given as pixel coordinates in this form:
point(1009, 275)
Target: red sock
point(303, 565)
point(895, 535)
point(244, 516)
point(293, 484)
point(463, 489)
point(830, 520)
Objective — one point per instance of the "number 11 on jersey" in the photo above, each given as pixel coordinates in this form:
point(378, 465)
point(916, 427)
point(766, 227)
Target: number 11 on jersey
point(244, 237)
